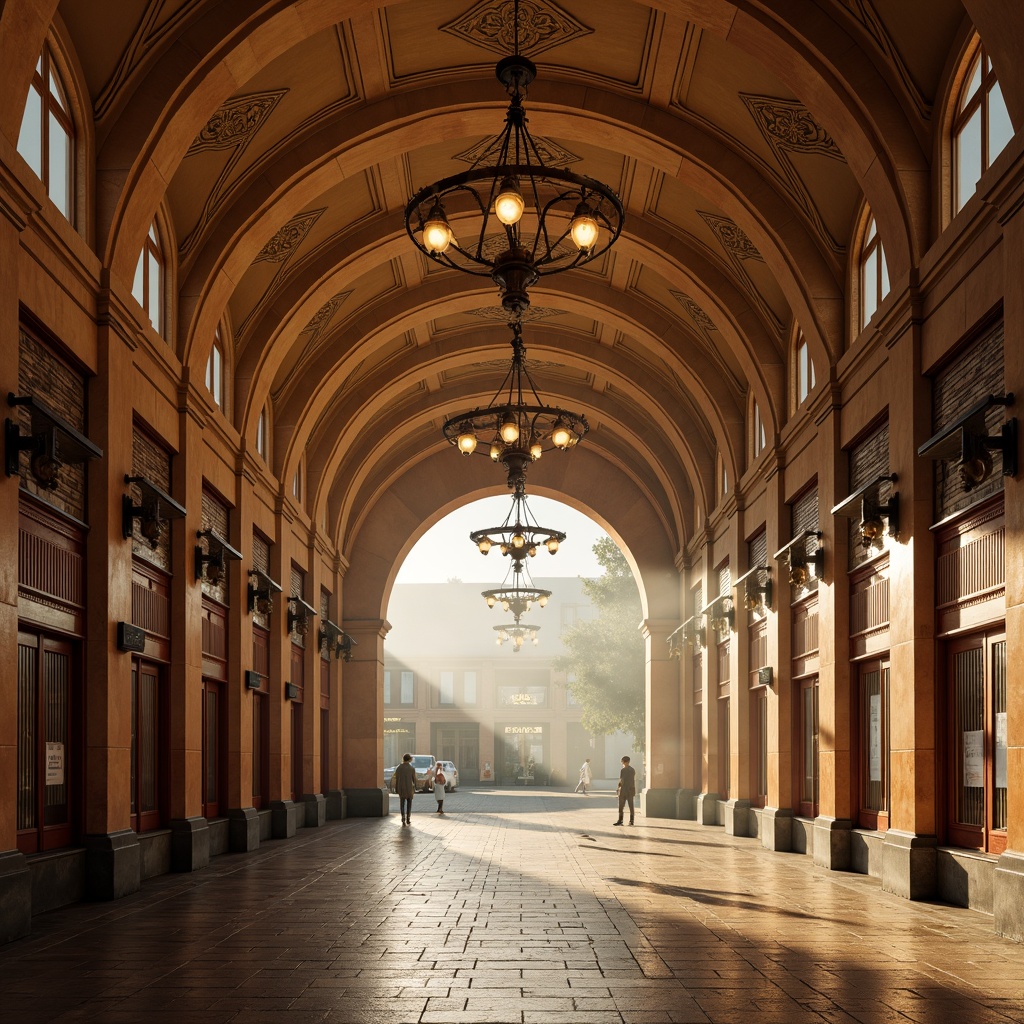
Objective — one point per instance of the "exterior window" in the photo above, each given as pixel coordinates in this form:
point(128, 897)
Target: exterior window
point(407, 688)
point(874, 274)
point(874, 745)
point(387, 686)
point(760, 440)
point(447, 689)
point(981, 128)
point(215, 372)
point(261, 435)
point(46, 140)
point(725, 480)
point(149, 279)
point(807, 720)
point(468, 687)
point(977, 722)
point(804, 371)
point(297, 483)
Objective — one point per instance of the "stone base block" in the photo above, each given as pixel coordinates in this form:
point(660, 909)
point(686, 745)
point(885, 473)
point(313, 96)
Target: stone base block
point(335, 804)
point(243, 830)
point(736, 815)
point(909, 865)
point(190, 844)
point(832, 843)
point(113, 865)
point(658, 803)
point(15, 896)
point(367, 803)
point(686, 804)
point(285, 816)
point(58, 878)
point(1008, 895)
point(777, 829)
point(707, 808)
point(316, 810)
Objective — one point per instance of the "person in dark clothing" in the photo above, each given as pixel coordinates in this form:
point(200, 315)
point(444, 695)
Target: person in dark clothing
point(626, 789)
point(405, 787)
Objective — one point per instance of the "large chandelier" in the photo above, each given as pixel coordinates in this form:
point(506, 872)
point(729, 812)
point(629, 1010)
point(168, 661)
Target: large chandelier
point(520, 535)
point(519, 595)
point(519, 218)
point(516, 426)
point(517, 635)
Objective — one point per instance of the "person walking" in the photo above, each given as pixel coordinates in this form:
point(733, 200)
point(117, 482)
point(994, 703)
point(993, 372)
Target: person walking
point(439, 783)
point(586, 777)
point(405, 786)
point(626, 789)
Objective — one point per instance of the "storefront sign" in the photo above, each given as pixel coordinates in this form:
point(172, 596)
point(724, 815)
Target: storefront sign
point(875, 738)
point(974, 759)
point(55, 764)
point(524, 730)
point(1001, 750)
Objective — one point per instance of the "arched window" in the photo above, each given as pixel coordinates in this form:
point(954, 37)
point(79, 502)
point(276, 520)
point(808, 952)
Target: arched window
point(215, 371)
point(874, 274)
point(47, 136)
point(148, 286)
point(760, 440)
point(262, 446)
point(297, 484)
point(804, 368)
point(981, 127)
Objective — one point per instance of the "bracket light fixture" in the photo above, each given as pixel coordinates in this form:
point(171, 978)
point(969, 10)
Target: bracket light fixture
point(720, 615)
point(261, 592)
point(52, 443)
point(300, 615)
point(211, 564)
point(803, 566)
point(154, 511)
point(755, 588)
point(337, 640)
point(865, 507)
point(967, 443)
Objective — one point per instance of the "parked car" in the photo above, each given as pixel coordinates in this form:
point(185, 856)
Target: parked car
point(424, 765)
point(451, 774)
point(388, 773)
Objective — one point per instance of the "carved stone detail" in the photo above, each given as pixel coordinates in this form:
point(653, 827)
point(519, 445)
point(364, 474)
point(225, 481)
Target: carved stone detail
point(552, 154)
point(542, 25)
point(530, 313)
point(731, 236)
point(789, 125)
point(236, 122)
point(696, 313)
point(288, 239)
point(323, 316)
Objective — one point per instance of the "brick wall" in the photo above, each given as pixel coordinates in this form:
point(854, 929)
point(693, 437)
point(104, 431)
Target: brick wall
point(215, 517)
point(869, 459)
point(151, 460)
point(261, 561)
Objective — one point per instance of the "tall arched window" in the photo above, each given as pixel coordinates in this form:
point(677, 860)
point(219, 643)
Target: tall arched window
point(262, 445)
point(215, 370)
point(981, 127)
point(47, 136)
point(804, 370)
point(760, 440)
point(148, 286)
point(874, 274)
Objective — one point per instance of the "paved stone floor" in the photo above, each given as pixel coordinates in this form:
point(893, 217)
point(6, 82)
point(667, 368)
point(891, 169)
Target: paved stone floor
point(517, 906)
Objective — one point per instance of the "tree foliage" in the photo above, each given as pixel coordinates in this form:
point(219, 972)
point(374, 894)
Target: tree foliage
point(605, 662)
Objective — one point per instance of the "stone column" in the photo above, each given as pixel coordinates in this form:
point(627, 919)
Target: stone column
point(736, 809)
point(362, 711)
point(658, 799)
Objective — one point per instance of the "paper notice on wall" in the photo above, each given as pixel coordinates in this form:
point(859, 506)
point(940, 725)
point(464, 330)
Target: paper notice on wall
point(55, 764)
point(875, 738)
point(974, 759)
point(1001, 750)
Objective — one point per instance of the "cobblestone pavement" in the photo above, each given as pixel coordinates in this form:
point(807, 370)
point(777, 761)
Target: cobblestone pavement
point(516, 906)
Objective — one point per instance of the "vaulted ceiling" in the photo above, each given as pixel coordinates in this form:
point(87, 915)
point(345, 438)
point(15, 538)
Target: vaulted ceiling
point(282, 141)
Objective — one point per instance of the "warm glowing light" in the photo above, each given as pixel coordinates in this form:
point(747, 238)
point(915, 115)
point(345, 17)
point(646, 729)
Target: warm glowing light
point(509, 203)
point(584, 228)
point(518, 541)
point(543, 600)
point(561, 436)
point(536, 451)
point(552, 544)
point(467, 440)
point(491, 600)
point(496, 450)
point(437, 234)
point(484, 544)
point(509, 429)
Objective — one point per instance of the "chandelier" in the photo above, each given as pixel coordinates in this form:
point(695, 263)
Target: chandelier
point(518, 217)
point(516, 426)
point(520, 535)
point(519, 596)
point(517, 635)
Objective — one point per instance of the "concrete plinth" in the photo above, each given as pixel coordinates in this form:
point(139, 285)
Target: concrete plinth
point(316, 809)
point(243, 829)
point(832, 843)
point(686, 804)
point(777, 829)
point(15, 896)
point(335, 804)
point(909, 865)
point(736, 817)
point(190, 844)
point(1008, 895)
point(284, 818)
point(367, 803)
point(113, 865)
point(707, 808)
point(658, 803)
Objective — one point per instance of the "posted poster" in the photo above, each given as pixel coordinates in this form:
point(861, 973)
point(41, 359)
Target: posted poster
point(974, 759)
point(1000, 750)
point(875, 738)
point(55, 764)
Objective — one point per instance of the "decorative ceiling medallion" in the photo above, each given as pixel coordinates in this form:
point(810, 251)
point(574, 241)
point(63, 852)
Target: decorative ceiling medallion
point(324, 315)
point(788, 125)
point(732, 237)
point(551, 153)
point(530, 313)
point(236, 122)
point(289, 238)
point(696, 313)
point(542, 25)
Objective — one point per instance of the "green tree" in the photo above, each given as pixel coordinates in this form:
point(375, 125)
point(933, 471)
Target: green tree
point(606, 653)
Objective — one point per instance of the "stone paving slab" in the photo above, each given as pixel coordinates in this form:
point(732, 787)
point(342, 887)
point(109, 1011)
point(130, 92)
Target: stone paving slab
point(516, 907)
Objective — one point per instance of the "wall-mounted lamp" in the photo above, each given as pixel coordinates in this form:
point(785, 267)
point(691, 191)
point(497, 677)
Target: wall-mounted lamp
point(261, 592)
point(803, 567)
point(155, 511)
point(211, 565)
point(53, 442)
point(300, 615)
point(864, 507)
point(693, 632)
point(967, 443)
point(755, 588)
point(337, 640)
point(720, 614)
point(675, 643)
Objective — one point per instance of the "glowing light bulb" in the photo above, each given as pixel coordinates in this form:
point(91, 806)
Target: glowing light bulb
point(437, 233)
point(509, 203)
point(552, 544)
point(467, 440)
point(584, 227)
point(509, 428)
point(484, 544)
point(561, 435)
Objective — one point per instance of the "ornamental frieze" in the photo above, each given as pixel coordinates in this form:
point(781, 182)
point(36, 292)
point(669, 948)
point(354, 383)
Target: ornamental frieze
point(235, 123)
point(542, 25)
point(288, 239)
